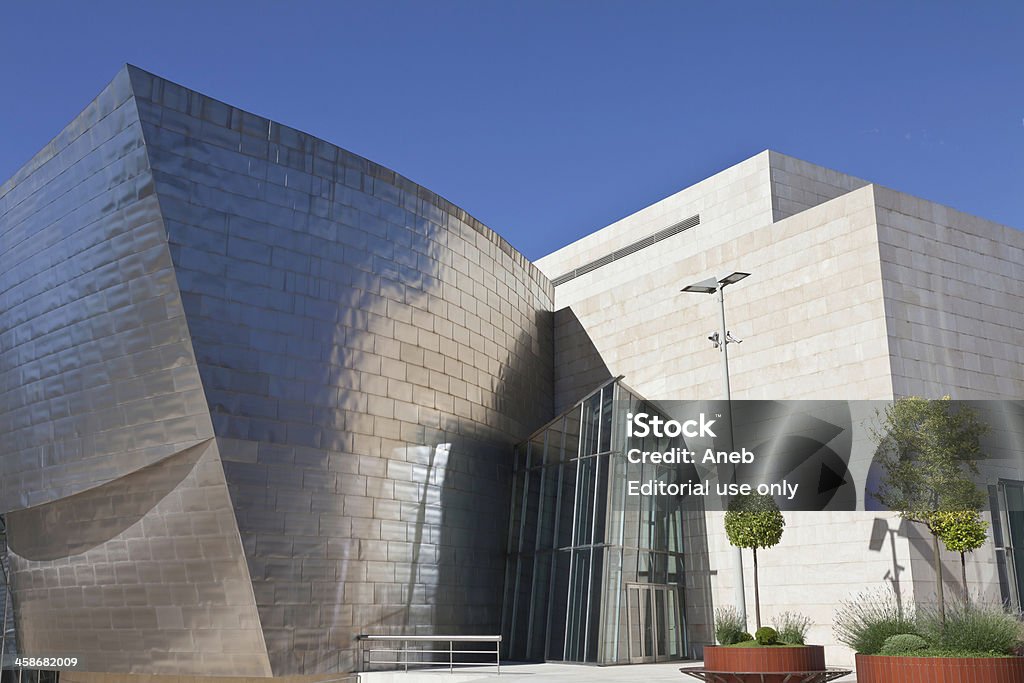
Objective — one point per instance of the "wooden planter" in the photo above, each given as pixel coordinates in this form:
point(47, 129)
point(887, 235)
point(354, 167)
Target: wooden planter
point(881, 669)
point(764, 660)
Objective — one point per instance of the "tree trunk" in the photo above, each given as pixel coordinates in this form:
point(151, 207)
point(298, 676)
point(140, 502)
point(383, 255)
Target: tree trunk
point(963, 573)
point(757, 594)
point(938, 573)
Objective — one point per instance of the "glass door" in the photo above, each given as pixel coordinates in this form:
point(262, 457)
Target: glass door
point(654, 623)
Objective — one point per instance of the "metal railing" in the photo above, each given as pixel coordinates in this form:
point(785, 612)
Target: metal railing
point(399, 656)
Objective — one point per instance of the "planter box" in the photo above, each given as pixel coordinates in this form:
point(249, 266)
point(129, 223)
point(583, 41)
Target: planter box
point(764, 660)
point(881, 669)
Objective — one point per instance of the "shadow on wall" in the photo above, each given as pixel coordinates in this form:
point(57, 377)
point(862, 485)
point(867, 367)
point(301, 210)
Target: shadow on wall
point(83, 521)
point(368, 444)
point(578, 364)
point(368, 353)
point(883, 535)
point(922, 554)
point(475, 503)
point(152, 556)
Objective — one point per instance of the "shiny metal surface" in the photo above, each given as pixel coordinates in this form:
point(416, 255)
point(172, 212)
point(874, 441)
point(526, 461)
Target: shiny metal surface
point(144, 573)
point(356, 353)
point(97, 375)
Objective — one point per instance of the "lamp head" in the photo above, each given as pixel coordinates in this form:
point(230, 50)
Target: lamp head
point(709, 286)
point(733, 278)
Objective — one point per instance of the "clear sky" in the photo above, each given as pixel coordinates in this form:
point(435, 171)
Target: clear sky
point(548, 120)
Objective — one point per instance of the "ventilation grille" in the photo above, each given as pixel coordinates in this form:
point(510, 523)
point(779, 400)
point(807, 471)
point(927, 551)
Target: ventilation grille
point(629, 249)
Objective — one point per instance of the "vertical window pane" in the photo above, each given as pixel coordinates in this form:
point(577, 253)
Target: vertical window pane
point(531, 511)
point(600, 497)
point(1015, 514)
point(585, 480)
point(579, 602)
point(559, 605)
point(606, 419)
point(548, 508)
point(594, 607)
point(567, 505)
point(539, 615)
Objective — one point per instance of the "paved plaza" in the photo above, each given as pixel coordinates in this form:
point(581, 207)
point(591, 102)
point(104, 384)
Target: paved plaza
point(551, 673)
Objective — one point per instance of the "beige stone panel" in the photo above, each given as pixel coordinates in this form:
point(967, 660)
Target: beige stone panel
point(824, 558)
point(811, 315)
point(737, 194)
point(798, 185)
point(954, 288)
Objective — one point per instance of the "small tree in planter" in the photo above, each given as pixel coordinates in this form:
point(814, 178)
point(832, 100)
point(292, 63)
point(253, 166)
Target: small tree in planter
point(971, 644)
point(754, 521)
point(769, 656)
point(961, 531)
point(929, 452)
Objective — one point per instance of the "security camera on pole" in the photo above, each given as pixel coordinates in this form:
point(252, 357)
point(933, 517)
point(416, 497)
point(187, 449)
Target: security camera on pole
point(721, 340)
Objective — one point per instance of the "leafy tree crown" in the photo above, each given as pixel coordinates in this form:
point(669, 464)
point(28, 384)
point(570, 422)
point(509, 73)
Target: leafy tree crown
point(754, 521)
point(962, 531)
point(929, 451)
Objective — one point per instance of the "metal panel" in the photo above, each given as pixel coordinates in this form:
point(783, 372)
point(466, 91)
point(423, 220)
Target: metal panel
point(363, 352)
point(124, 549)
point(151, 557)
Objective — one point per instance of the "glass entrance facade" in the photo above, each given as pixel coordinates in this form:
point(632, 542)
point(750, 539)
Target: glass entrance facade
point(594, 574)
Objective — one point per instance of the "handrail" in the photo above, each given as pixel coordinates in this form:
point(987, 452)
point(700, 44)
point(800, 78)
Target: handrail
point(401, 654)
point(468, 639)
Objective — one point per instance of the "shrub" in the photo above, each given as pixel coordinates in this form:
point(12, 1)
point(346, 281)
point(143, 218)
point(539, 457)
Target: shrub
point(766, 635)
point(745, 638)
point(865, 621)
point(792, 627)
point(973, 627)
point(729, 625)
point(903, 643)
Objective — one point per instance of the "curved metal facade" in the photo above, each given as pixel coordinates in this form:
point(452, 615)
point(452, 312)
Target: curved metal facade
point(307, 356)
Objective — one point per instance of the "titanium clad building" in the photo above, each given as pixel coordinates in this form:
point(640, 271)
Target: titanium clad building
point(259, 395)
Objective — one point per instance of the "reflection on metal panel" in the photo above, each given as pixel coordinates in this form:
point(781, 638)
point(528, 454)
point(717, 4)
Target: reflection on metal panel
point(97, 377)
point(143, 574)
point(361, 352)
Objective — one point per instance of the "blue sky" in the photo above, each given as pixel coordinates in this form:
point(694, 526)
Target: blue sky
point(548, 120)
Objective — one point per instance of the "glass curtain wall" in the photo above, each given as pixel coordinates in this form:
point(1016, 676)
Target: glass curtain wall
point(594, 574)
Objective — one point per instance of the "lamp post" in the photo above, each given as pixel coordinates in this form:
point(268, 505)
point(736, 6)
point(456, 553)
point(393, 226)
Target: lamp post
point(721, 340)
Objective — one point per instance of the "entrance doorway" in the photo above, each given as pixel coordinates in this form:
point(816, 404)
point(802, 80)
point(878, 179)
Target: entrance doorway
point(655, 622)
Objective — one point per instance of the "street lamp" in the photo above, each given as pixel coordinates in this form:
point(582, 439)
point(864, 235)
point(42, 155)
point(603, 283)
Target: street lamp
point(721, 340)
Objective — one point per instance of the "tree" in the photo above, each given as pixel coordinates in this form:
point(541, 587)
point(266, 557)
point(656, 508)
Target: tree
point(929, 452)
point(961, 531)
point(754, 521)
